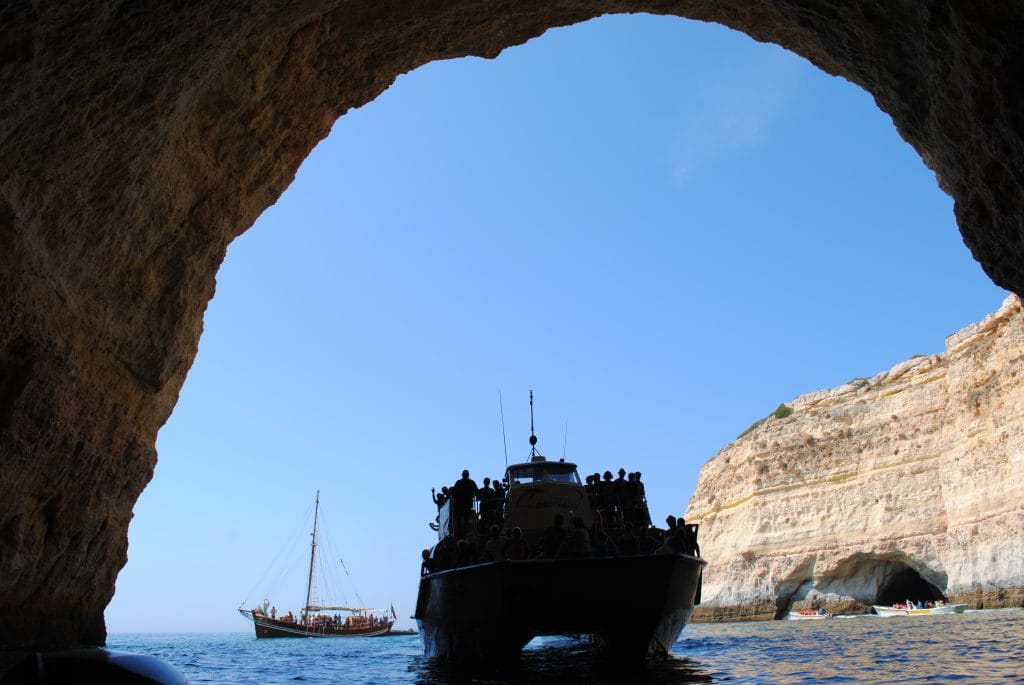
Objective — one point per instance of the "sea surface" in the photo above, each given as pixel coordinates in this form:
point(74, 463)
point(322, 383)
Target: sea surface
point(975, 647)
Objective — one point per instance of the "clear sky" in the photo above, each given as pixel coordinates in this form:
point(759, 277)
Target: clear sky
point(662, 227)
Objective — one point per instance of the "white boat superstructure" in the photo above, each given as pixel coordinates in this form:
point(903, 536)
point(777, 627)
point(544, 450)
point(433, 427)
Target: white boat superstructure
point(940, 608)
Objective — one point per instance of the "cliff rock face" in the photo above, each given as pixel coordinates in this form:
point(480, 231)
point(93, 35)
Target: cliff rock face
point(139, 139)
point(906, 485)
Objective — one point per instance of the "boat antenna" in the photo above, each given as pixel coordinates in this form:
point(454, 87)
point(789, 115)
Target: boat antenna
point(504, 441)
point(565, 438)
point(533, 435)
point(312, 555)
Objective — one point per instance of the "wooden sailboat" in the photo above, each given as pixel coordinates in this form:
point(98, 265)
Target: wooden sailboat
point(317, 620)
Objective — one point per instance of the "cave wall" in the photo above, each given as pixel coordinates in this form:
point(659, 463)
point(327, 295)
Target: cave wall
point(139, 138)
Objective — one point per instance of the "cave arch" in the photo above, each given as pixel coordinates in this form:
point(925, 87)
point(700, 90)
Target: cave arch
point(794, 587)
point(904, 584)
point(882, 578)
point(139, 141)
point(860, 581)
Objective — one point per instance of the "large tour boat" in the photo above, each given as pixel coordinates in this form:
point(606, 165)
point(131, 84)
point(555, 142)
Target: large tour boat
point(319, 620)
point(631, 601)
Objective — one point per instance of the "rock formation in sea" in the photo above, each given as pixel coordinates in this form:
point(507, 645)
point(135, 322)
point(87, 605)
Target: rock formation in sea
point(905, 485)
point(139, 139)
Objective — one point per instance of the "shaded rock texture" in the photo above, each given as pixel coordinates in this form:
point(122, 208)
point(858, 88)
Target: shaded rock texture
point(906, 485)
point(139, 138)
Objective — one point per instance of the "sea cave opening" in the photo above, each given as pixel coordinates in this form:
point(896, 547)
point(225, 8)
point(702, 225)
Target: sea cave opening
point(906, 583)
point(578, 228)
point(870, 579)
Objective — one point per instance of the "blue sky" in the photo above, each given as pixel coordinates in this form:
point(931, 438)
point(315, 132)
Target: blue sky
point(661, 227)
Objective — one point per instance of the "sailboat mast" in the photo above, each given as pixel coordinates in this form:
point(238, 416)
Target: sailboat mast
point(312, 555)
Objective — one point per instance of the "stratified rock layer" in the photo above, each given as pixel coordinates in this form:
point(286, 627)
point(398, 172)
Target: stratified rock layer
point(139, 139)
point(907, 482)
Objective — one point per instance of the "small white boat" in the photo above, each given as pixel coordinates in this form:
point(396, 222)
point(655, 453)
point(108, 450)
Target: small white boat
point(905, 610)
point(807, 615)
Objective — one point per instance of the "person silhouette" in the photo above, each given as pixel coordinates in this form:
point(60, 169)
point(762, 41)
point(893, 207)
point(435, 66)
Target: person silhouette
point(517, 548)
point(439, 498)
point(553, 538)
point(462, 494)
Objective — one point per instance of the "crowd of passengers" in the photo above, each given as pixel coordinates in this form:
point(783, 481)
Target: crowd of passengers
point(323, 621)
point(910, 604)
point(617, 501)
point(337, 620)
point(561, 541)
point(622, 498)
point(464, 492)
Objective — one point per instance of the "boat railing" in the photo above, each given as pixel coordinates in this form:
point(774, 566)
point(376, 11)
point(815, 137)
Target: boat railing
point(486, 512)
point(490, 511)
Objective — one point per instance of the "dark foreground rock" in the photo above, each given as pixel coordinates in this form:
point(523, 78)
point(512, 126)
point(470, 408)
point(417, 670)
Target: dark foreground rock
point(139, 139)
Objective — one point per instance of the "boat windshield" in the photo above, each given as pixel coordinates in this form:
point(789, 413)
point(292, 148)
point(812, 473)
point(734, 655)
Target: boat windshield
point(548, 471)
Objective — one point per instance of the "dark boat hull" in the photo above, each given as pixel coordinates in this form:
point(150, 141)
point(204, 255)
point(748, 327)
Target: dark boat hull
point(634, 606)
point(269, 627)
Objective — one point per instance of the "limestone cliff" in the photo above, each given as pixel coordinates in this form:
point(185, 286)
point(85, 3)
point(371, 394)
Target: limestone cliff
point(909, 484)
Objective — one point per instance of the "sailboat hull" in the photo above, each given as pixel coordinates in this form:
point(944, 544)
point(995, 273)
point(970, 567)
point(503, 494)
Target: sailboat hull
point(270, 627)
point(633, 606)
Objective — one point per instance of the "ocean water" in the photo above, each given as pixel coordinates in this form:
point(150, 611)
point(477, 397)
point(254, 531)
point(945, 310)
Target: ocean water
point(975, 647)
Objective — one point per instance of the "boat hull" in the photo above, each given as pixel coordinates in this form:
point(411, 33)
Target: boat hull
point(633, 606)
point(933, 611)
point(270, 627)
point(797, 616)
point(949, 609)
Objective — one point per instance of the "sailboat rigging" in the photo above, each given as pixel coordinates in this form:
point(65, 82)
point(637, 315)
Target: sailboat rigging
point(319, 620)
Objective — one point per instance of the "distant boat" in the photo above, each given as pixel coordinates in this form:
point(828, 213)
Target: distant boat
point(905, 610)
point(807, 615)
point(318, 620)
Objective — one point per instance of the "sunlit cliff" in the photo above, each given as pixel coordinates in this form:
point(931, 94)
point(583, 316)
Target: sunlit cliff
point(910, 482)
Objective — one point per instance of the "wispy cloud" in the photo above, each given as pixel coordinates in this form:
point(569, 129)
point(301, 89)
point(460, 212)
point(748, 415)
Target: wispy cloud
point(735, 111)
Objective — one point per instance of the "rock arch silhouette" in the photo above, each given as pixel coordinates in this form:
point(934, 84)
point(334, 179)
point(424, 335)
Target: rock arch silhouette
point(140, 139)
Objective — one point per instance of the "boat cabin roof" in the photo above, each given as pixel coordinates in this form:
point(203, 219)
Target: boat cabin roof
point(354, 610)
point(539, 470)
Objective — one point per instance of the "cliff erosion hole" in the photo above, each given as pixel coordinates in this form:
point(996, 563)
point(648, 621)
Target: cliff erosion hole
point(881, 579)
point(865, 580)
point(794, 588)
point(905, 583)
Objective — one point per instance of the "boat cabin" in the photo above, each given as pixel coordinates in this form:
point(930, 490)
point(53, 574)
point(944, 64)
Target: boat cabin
point(538, 490)
point(539, 470)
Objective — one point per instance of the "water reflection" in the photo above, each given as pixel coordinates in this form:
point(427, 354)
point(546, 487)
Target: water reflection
point(976, 648)
point(564, 661)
